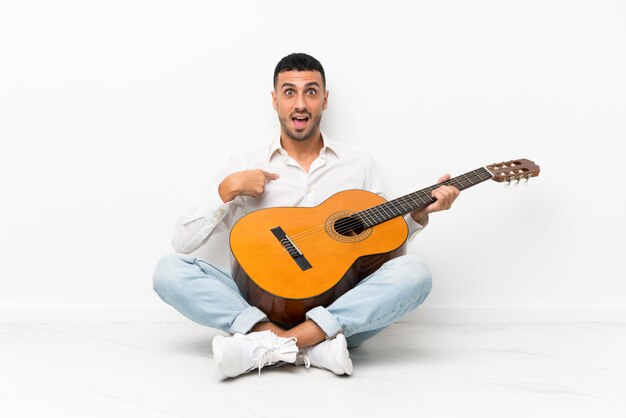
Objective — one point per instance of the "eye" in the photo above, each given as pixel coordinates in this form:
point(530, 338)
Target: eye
point(289, 92)
point(311, 92)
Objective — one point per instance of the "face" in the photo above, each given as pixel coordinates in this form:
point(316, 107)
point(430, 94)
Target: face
point(299, 100)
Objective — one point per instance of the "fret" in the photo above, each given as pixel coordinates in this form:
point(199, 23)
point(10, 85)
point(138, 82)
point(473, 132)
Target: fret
point(468, 179)
point(458, 185)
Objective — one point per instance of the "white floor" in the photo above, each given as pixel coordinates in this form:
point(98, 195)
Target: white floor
point(417, 370)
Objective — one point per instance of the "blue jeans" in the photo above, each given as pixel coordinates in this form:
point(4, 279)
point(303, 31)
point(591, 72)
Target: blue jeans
point(209, 296)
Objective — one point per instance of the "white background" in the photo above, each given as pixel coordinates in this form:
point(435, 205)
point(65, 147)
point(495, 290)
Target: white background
point(114, 115)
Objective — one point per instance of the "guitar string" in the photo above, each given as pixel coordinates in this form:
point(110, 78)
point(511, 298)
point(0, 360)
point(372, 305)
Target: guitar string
point(380, 213)
point(304, 279)
point(363, 247)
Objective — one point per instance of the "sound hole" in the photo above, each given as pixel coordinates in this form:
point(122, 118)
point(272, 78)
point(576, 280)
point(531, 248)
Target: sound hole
point(349, 227)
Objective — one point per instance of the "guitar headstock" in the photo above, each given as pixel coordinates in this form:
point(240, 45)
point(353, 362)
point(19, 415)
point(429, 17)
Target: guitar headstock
point(513, 170)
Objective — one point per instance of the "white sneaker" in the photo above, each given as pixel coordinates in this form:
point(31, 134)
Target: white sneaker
point(332, 355)
point(241, 353)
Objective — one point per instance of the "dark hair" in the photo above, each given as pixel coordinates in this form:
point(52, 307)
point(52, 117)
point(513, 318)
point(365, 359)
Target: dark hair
point(299, 62)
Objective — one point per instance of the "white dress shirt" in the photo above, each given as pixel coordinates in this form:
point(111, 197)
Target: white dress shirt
point(337, 168)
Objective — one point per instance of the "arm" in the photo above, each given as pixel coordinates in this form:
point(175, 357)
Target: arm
point(216, 209)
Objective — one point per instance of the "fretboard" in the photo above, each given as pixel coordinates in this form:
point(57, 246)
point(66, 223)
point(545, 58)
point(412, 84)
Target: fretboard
point(419, 199)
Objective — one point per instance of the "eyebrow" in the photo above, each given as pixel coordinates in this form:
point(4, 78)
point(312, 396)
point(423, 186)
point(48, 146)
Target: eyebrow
point(313, 83)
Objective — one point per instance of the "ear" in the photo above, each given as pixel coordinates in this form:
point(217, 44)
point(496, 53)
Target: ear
point(274, 101)
point(325, 100)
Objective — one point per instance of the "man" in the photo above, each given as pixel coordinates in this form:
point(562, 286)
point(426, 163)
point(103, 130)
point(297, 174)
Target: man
point(300, 168)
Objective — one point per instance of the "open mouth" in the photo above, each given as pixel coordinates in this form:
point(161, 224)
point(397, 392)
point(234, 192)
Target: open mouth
point(300, 121)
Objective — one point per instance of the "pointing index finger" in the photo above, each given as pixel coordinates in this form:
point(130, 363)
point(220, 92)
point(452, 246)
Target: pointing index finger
point(270, 176)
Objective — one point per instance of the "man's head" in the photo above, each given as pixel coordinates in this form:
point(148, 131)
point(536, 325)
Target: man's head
point(299, 62)
point(299, 95)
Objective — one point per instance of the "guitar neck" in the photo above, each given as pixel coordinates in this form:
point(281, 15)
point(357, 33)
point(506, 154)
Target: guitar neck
point(419, 199)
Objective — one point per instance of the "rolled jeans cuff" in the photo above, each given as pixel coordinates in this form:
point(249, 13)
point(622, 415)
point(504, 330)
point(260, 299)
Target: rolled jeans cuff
point(248, 318)
point(325, 320)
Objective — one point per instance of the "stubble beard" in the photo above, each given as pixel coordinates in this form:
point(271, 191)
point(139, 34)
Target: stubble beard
point(301, 136)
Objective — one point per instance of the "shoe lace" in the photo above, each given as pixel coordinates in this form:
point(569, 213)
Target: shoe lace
point(303, 355)
point(263, 352)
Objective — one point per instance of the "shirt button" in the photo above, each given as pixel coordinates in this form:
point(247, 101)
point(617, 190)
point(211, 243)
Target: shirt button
point(308, 190)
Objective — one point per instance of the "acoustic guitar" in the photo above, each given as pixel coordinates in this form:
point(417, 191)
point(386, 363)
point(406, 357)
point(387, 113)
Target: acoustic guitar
point(289, 260)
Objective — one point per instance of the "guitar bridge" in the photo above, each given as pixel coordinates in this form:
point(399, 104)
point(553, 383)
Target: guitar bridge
point(291, 248)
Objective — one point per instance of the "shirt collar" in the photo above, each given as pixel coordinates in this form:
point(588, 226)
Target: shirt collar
point(328, 145)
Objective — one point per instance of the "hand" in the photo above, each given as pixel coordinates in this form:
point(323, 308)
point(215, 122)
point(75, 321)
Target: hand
point(445, 196)
point(244, 183)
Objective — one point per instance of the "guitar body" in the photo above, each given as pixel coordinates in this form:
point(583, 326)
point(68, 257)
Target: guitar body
point(326, 260)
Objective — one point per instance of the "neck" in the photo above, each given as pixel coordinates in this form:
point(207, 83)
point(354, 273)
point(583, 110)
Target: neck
point(304, 152)
point(416, 200)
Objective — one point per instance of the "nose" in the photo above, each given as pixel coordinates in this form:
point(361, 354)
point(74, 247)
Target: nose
point(300, 102)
